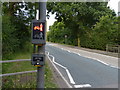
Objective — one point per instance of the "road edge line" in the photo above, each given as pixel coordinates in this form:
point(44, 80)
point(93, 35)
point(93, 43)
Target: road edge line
point(59, 73)
point(67, 71)
point(95, 58)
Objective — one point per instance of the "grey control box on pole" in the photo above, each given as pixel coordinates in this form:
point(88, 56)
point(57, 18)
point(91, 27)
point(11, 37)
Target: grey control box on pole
point(38, 59)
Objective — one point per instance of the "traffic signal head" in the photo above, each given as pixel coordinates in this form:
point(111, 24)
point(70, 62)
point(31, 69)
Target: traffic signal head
point(38, 32)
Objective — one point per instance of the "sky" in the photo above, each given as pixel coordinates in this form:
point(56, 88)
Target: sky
point(112, 3)
point(50, 21)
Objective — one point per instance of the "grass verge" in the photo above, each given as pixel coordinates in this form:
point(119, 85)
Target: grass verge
point(24, 80)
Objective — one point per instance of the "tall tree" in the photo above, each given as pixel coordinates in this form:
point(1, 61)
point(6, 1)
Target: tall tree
point(19, 16)
point(79, 17)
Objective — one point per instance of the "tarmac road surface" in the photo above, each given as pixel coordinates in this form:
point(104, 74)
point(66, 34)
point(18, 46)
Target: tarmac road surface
point(82, 70)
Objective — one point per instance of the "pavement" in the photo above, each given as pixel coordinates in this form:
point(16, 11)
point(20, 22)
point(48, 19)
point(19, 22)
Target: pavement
point(82, 68)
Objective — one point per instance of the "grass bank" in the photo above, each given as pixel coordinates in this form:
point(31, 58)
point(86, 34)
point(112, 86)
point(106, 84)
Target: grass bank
point(25, 80)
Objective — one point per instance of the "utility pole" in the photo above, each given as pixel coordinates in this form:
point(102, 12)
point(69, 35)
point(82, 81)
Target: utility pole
point(39, 39)
point(41, 49)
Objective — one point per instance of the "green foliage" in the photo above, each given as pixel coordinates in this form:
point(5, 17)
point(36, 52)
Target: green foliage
point(25, 80)
point(16, 22)
point(106, 31)
point(79, 13)
point(58, 32)
point(9, 40)
point(91, 24)
point(118, 30)
point(28, 80)
point(49, 79)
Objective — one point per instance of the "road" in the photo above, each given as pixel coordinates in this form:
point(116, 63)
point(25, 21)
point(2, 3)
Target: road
point(83, 71)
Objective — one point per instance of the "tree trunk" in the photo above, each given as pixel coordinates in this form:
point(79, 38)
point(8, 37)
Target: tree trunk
point(78, 41)
point(11, 8)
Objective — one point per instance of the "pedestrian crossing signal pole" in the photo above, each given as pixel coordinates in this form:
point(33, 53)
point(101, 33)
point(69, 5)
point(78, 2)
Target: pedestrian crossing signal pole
point(39, 40)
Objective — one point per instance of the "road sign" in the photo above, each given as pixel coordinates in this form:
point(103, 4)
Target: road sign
point(38, 32)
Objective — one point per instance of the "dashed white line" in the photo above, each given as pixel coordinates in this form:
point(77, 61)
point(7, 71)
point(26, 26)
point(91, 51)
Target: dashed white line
point(98, 54)
point(69, 51)
point(102, 62)
point(82, 86)
point(78, 54)
point(62, 48)
point(95, 58)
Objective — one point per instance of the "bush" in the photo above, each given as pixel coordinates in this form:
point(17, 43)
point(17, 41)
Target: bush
point(9, 39)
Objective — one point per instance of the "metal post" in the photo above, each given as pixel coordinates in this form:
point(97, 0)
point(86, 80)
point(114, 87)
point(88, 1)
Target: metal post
point(41, 49)
point(34, 49)
point(107, 48)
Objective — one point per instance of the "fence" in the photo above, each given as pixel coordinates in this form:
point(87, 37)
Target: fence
point(19, 80)
point(113, 48)
point(26, 79)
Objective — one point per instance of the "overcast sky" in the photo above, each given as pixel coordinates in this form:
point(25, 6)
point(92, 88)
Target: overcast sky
point(112, 3)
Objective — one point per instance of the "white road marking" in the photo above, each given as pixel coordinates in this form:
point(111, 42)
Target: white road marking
point(56, 62)
point(90, 52)
point(87, 85)
point(69, 51)
point(83, 86)
point(70, 77)
point(68, 73)
point(114, 67)
point(78, 54)
point(60, 73)
point(62, 48)
point(98, 54)
point(87, 57)
point(102, 62)
point(47, 52)
point(95, 58)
